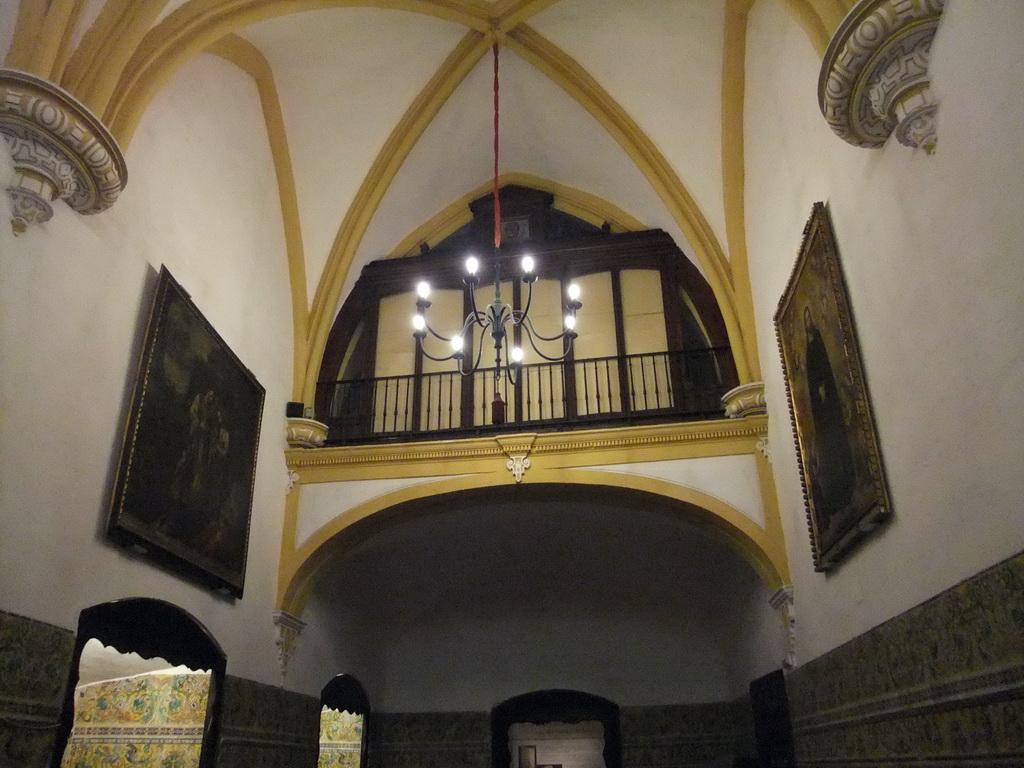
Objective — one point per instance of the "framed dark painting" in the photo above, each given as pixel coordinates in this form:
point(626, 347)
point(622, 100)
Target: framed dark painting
point(184, 486)
point(841, 470)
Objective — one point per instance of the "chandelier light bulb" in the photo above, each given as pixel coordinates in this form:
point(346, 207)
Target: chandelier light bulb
point(418, 322)
point(528, 264)
point(517, 354)
point(423, 289)
point(574, 291)
point(457, 343)
point(570, 322)
point(472, 265)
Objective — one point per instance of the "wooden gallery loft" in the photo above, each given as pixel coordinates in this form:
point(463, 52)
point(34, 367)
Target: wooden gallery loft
point(652, 348)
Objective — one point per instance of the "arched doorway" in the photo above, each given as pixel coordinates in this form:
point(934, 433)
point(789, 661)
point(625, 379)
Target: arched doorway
point(563, 707)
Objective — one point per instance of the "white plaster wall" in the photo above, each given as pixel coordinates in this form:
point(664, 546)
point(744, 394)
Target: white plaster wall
point(341, 104)
point(74, 298)
point(632, 661)
point(672, 85)
point(320, 503)
point(931, 248)
point(731, 479)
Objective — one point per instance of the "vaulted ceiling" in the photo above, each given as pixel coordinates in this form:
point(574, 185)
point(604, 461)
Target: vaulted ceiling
point(379, 116)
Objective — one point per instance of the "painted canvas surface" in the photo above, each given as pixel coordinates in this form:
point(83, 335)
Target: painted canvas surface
point(184, 487)
point(840, 464)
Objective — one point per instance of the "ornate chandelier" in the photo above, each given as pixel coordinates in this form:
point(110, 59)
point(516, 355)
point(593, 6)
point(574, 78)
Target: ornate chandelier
point(498, 318)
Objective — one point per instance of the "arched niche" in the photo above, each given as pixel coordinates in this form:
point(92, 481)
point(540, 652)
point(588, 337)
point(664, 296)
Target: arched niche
point(152, 629)
point(344, 718)
point(555, 706)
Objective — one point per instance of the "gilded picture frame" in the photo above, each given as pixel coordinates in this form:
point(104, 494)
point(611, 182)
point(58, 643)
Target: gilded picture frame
point(184, 486)
point(841, 471)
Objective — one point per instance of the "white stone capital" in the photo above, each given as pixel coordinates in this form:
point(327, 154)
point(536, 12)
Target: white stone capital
point(60, 151)
point(874, 77)
point(289, 628)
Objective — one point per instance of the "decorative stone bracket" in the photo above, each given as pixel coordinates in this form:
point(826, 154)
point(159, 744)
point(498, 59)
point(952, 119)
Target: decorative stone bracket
point(60, 150)
point(517, 448)
point(874, 77)
point(288, 630)
point(745, 400)
point(305, 433)
point(782, 601)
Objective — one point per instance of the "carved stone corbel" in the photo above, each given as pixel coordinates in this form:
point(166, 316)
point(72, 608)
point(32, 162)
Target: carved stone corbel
point(288, 630)
point(745, 400)
point(517, 448)
point(874, 77)
point(782, 601)
point(60, 150)
point(305, 433)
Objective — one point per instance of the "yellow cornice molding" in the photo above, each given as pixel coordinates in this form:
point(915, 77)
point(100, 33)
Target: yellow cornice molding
point(734, 62)
point(579, 84)
point(576, 202)
point(385, 166)
point(658, 442)
point(199, 23)
point(248, 58)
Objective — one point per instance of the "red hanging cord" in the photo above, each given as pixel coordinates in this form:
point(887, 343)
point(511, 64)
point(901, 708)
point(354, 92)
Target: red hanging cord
point(497, 203)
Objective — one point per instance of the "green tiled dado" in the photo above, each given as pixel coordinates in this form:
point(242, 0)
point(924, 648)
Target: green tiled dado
point(266, 726)
point(943, 681)
point(34, 663)
point(430, 740)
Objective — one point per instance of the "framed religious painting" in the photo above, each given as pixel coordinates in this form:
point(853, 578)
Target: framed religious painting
point(841, 471)
point(183, 493)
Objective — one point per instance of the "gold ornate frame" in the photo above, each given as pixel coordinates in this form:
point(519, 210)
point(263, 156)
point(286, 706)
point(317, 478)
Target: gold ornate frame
point(184, 487)
point(841, 471)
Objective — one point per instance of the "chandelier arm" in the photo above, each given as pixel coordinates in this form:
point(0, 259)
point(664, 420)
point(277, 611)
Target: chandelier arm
point(560, 358)
point(527, 323)
point(529, 301)
point(476, 314)
point(511, 369)
point(426, 354)
point(433, 333)
point(479, 354)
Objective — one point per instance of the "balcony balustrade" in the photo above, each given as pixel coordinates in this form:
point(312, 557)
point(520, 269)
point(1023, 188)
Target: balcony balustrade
point(579, 394)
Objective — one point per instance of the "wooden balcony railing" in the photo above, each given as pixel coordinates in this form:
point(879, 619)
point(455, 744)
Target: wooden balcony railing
point(605, 391)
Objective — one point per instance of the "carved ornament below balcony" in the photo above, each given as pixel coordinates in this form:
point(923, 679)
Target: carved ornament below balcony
point(745, 400)
point(305, 433)
point(60, 150)
point(874, 78)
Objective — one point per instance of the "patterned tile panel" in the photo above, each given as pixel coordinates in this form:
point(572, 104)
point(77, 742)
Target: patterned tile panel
point(148, 719)
point(34, 662)
point(943, 681)
point(266, 726)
